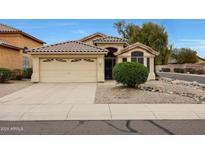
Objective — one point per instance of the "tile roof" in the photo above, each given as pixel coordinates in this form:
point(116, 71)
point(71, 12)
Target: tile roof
point(5, 28)
point(68, 47)
point(9, 29)
point(138, 45)
point(110, 39)
point(7, 44)
point(91, 36)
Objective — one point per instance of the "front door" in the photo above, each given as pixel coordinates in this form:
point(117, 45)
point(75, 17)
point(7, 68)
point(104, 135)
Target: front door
point(109, 64)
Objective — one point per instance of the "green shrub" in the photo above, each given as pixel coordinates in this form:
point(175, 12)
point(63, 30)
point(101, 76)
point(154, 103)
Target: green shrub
point(185, 55)
point(130, 73)
point(5, 75)
point(28, 72)
point(179, 70)
point(199, 72)
point(17, 74)
point(190, 70)
point(166, 70)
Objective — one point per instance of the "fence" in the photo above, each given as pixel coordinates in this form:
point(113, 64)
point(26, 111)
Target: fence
point(183, 66)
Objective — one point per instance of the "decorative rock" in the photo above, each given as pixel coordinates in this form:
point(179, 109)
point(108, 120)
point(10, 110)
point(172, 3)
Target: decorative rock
point(196, 99)
point(194, 83)
point(202, 86)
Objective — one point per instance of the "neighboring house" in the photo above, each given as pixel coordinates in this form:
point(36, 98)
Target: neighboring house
point(201, 60)
point(90, 59)
point(13, 43)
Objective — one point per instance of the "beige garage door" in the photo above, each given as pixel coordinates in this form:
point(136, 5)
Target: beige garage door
point(68, 70)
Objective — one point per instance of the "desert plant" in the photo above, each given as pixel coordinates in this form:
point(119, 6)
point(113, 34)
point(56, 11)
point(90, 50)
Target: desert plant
point(130, 73)
point(199, 72)
point(179, 70)
point(5, 74)
point(166, 70)
point(17, 74)
point(185, 55)
point(190, 70)
point(27, 72)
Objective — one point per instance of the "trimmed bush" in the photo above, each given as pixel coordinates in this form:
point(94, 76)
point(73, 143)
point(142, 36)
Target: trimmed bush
point(27, 72)
point(179, 70)
point(199, 72)
point(130, 73)
point(166, 70)
point(5, 74)
point(190, 70)
point(17, 74)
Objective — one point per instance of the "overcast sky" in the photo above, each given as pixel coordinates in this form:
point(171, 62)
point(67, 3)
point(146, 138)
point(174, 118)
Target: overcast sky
point(182, 33)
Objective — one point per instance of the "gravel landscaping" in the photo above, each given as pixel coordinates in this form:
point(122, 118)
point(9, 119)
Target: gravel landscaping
point(12, 86)
point(152, 92)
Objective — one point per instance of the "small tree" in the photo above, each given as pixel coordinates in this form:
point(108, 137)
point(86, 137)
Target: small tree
point(150, 34)
point(185, 55)
point(130, 73)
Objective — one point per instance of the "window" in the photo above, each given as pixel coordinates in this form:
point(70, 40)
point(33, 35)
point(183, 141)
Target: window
point(25, 62)
point(137, 56)
point(124, 59)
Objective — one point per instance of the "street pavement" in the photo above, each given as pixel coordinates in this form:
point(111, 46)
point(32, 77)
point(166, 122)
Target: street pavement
point(116, 127)
point(186, 77)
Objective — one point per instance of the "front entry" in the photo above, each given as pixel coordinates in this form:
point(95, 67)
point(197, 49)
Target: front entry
point(110, 60)
point(109, 64)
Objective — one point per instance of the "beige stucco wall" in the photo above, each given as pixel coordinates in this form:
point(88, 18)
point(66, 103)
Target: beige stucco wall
point(10, 58)
point(21, 41)
point(99, 63)
point(146, 55)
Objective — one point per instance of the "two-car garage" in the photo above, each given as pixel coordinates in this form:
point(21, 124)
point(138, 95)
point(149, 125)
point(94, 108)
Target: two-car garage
point(71, 61)
point(68, 70)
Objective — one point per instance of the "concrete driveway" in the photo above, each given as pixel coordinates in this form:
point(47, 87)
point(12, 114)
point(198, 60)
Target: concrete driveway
point(76, 102)
point(46, 101)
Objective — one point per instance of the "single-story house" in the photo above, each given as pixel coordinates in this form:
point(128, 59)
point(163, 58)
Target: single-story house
point(13, 43)
point(90, 59)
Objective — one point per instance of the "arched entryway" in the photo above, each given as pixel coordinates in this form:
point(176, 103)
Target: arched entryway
point(110, 61)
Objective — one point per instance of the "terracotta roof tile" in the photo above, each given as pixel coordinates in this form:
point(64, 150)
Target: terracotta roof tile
point(9, 29)
point(68, 47)
point(5, 28)
point(91, 36)
point(110, 39)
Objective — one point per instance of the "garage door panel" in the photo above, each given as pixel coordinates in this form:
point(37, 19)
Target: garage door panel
point(79, 71)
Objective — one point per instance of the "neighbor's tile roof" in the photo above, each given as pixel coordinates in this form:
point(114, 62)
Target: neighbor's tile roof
point(9, 29)
point(68, 47)
point(5, 28)
point(7, 44)
point(110, 39)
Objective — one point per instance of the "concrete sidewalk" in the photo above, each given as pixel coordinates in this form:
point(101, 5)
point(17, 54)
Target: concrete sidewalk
point(102, 112)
